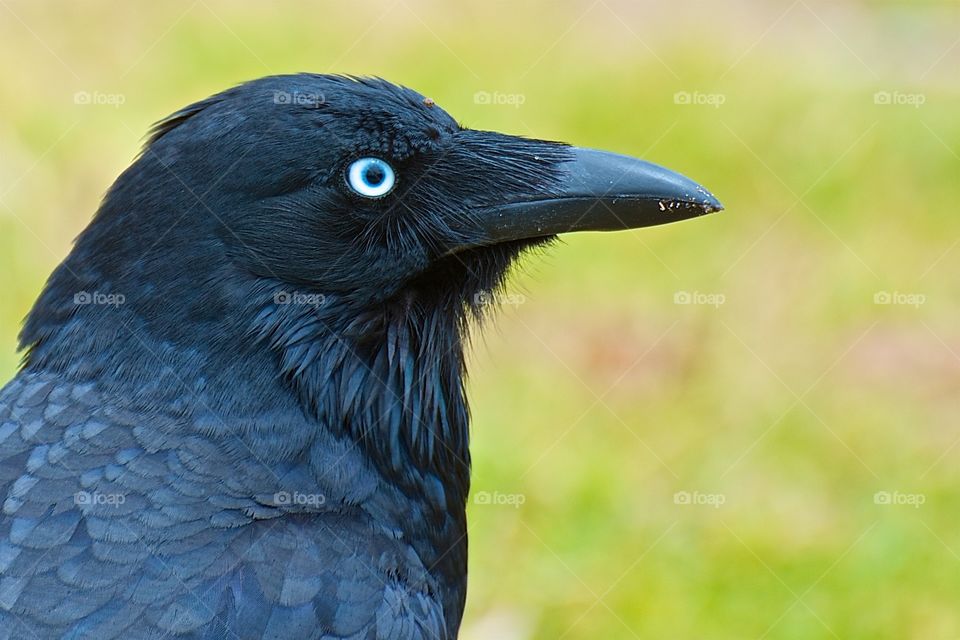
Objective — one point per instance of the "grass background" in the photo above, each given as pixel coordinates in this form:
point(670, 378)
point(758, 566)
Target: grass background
point(597, 398)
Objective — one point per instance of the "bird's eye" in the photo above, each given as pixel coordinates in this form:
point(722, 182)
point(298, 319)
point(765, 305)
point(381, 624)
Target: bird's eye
point(371, 177)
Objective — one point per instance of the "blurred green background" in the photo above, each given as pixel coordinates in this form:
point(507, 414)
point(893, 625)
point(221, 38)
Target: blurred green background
point(743, 426)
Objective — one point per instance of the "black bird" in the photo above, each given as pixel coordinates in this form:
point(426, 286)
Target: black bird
point(241, 411)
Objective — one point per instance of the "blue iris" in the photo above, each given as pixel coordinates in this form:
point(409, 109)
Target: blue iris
point(371, 177)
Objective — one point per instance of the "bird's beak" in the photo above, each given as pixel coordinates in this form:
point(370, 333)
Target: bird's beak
point(601, 191)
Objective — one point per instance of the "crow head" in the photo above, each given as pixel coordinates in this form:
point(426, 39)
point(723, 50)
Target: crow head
point(355, 187)
point(325, 238)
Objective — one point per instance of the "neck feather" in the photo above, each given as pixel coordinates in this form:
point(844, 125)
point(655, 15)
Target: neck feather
point(391, 379)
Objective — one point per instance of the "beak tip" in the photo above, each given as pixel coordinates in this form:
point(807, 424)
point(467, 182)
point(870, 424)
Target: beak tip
point(712, 206)
point(710, 203)
point(702, 204)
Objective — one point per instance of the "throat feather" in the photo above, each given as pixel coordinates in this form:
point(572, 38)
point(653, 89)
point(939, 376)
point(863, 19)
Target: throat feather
point(392, 380)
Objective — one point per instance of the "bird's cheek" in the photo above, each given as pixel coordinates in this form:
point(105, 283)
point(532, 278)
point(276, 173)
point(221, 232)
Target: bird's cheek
point(383, 272)
point(409, 263)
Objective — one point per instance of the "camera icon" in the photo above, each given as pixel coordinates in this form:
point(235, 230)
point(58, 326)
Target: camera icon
point(82, 297)
point(882, 497)
point(682, 97)
point(282, 498)
point(482, 97)
point(682, 497)
point(282, 97)
point(682, 297)
point(482, 497)
point(882, 297)
point(483, 297)
point(882, 97)
point(281, 297)
point(82, 498)
point(81, 97)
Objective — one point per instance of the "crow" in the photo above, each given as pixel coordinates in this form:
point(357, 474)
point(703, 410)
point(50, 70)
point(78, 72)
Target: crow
point(241, 409)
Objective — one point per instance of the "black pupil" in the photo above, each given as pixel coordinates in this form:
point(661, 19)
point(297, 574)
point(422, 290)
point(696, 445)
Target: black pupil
point(374, 175)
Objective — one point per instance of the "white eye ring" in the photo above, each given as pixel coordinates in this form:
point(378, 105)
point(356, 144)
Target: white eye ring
point(371, 177)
